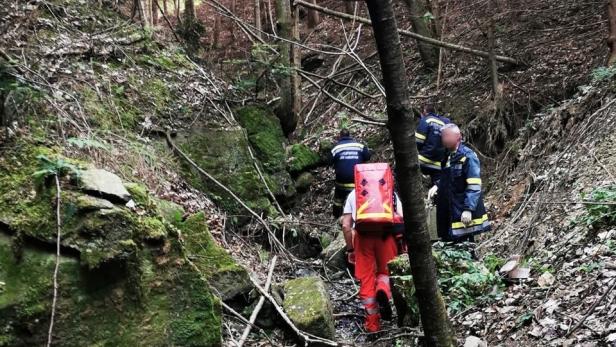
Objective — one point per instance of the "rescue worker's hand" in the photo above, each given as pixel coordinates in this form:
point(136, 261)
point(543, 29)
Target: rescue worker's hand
point(432, 192)
point(350, 256)
point(467, 218)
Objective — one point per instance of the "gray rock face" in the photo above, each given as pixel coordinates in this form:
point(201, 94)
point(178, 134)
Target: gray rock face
point(334, 255)
point(104, 183)
point(307, 304)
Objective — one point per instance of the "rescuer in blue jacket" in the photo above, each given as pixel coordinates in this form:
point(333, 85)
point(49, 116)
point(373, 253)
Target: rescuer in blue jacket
point(429, 146)
point(460, 210)
point(344, 156)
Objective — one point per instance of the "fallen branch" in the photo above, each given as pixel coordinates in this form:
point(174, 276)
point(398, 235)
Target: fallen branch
point(338, 101)
point(57, 266)
point(416, 36)
point(255, 312)
point(606, 203)
point(359, 120)
point(592, 308)
point(307, 337)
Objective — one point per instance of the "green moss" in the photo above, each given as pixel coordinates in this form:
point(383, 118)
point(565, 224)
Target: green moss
point(112, 113)
point(302, 158)
point(139, 194)
point(169, 211)
point(223, 153)
point(153, 229)
point(307, 303)
point(222, 271)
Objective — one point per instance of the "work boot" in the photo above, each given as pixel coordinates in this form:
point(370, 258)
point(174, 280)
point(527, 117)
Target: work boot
point(384, 306)
point(383, 294)
point(373, 323)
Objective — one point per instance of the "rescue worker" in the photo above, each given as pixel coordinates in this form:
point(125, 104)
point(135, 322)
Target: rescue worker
point(460, 210)
point(344, 156)
point(370, 254)
point(428, 140)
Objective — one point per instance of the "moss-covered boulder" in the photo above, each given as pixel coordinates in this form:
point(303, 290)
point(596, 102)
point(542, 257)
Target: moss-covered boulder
point(223, 153)
point(307, 304)
point(228, 278)
point(403, 291)
point(334, 255)
point(266, 137)
point(301, 158)
point(304, 181)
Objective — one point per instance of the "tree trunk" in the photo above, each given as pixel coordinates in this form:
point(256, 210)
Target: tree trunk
point(216, 31)
point(349, 7)
point(437, 329)
point(492, 49)
point(611, 40)
point(428, 53)
point(165, 9)
point(313, 17)
point(284, 111)
point(258, 17)
point(189, 11)
point(297, 64)
point(154, 13)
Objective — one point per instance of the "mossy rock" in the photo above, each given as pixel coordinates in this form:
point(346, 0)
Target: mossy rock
point(301, 158)
point(143, 304)
point(223, 153)
point(169, 210)
point(225, 275)
point(266, 137)
point(307, 304)
point(403, 291)
point(139, 193)
point(325, 148)
point(304, 181)
point(334, 255)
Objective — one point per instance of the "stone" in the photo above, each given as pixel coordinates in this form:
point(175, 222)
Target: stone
point(99, 182)
point(474, 341)
point(334, 255)
point(546, 280)
point(307, 304)
point(301, 158)
point(304, 181)
point(223, 153)
point(86, 203)
point(225, 275)
point(511, 264)
point(169, 210)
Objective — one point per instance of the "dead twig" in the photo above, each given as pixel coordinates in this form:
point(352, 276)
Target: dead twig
point(255, 312)
point(57, 266)
point(592, 308)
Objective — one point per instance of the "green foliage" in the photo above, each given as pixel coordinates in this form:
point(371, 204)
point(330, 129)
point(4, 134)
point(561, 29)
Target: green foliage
point(590, 267)
point(82, 143)
point(598, 215)
point(58, 167)
point(462, 279)
point(493, 262)
point(603, 73)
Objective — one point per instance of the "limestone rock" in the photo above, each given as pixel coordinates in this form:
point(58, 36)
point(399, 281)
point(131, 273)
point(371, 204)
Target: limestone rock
point(170, 211)
point(334, 255)
point(474, 341)
point(87, 203)
point(104, 183)
point(307, 304)
point(301, 158)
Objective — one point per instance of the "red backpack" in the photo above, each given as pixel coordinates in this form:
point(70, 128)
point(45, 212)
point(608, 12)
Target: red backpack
point(374, 197)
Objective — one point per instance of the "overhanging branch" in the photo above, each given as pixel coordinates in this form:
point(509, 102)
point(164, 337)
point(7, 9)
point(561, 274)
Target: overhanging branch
point(416, 36)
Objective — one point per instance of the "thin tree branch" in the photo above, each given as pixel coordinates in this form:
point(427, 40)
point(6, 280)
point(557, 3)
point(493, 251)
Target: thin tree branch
point(416, 36)
point(255, 312)
point(57, 266)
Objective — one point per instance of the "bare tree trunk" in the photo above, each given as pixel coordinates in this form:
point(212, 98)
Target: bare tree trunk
point(313, 17)
point(437, 329)
point(349, 7)
point(611, 40)
point(297, 63)
point(258, 18)
point(492, 50)
point(165, 9)
point(189, 11)
point(284, 111)
point(428, 53)
point(154, 13)
point(216, 31)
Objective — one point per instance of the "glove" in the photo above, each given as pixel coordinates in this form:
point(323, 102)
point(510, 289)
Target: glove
point(467, 217)
point(351, 257)
point(432, 192)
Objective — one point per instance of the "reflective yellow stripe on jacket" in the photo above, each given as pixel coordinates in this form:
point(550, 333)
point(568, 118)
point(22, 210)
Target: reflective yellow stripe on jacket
point(478, 221)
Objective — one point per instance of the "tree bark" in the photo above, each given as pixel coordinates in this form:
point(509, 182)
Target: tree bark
point(492, 51)
point(189, 11)
point(258, 17)
point(437, 329)
point(429, 40)
point(165, 9)
point(296, 60)
point(313, 17)
point(216, 30)
point(154, 13)
point(284, 111)
point(611, 40)
point(428, 52)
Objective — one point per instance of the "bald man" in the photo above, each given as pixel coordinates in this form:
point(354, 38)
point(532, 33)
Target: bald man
point(460, 210)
